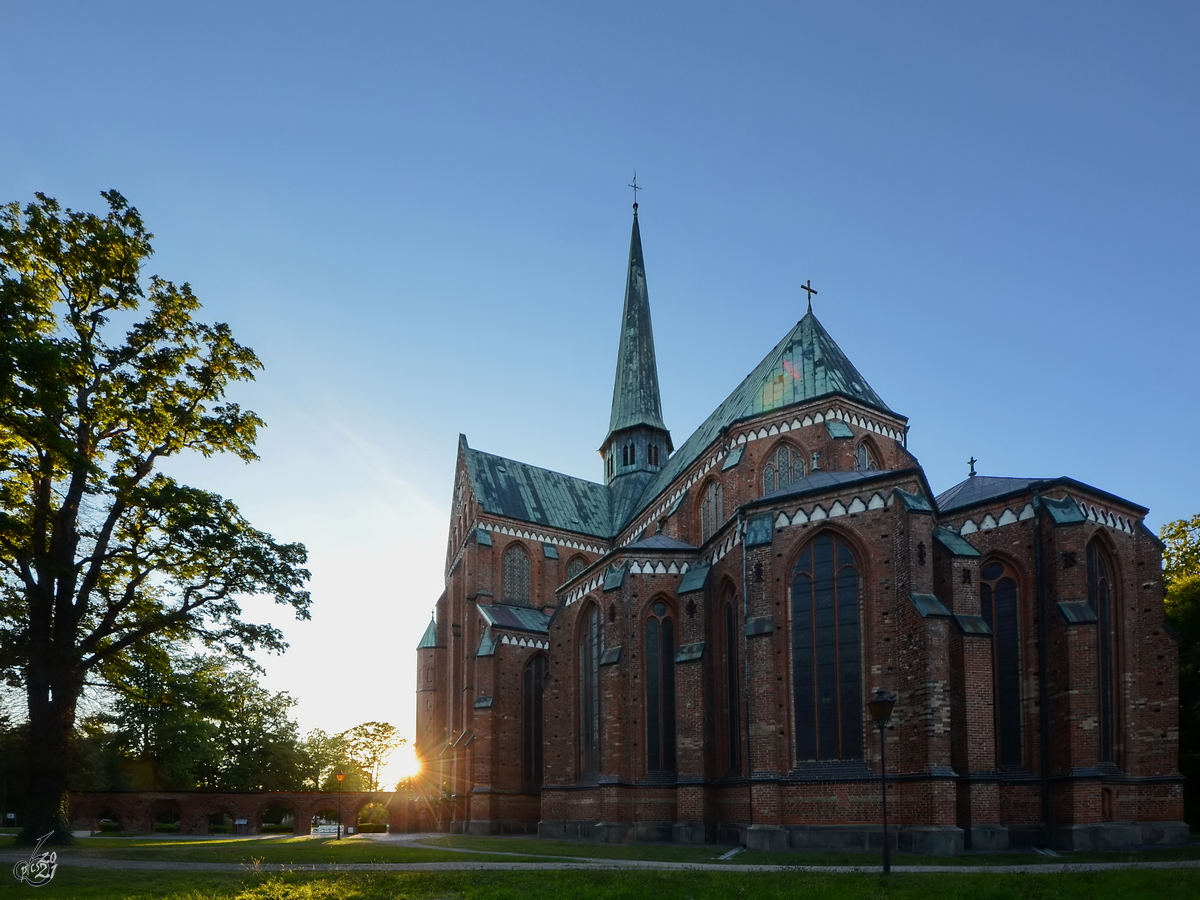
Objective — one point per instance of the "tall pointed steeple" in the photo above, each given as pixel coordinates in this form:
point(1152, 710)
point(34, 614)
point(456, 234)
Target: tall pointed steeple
point(635, 393)
point(638, 442)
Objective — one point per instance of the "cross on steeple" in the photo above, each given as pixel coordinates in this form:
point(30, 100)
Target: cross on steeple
point(807, 286)
point(633, 184)
point(971, 462)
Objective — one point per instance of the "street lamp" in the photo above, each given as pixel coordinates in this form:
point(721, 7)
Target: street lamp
point(341, 776)
point(881, 712)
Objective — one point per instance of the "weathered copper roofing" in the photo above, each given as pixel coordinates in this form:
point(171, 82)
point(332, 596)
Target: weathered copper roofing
point(515, 618)
point(954, 542)
point(636, 400)
point(805, 365)
point(516, 490)
point(429, 638)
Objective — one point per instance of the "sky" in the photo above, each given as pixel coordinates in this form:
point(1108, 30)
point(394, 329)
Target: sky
point(418, 216)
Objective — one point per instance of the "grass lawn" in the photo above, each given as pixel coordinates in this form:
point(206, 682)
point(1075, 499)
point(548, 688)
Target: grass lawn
point(286, 850)
point(83, 884)
point(675, 853)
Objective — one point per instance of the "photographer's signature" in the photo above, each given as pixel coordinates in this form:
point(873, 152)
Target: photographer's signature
point(39, 868)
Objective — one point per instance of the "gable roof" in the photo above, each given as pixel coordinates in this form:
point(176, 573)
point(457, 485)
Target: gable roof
point(805, 365)
point(978, 489)
point(516, 490)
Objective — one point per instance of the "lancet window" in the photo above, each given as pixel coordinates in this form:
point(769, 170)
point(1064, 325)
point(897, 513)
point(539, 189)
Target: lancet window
point(712, 510)
point(533, 683)
point(516, 575)
point(589, 692)
point(998, 603)
point(731, 686)
point(864, 458)
point(785, 466)
point(660, 690)
point(1102, 601)
point(826, 657)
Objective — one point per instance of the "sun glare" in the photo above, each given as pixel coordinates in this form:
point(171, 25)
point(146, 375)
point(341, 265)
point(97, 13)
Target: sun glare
point(403, 764)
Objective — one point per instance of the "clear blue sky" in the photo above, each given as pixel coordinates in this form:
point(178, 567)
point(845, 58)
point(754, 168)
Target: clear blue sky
point(417, 214)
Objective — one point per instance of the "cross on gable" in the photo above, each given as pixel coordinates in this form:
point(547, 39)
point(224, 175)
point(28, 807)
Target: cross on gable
point(633, 184)
point(807, 286)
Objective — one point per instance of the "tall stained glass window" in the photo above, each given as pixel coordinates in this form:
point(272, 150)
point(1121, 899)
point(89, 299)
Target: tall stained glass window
point(732, 687)
point(660, 690)
point(533, 683)
point(712, 511)
point(589, 692)
point(998, 602)
point(826, 659)
point(1100, 597)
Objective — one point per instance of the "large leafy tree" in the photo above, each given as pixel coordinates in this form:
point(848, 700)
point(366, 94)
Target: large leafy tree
point(370, 745)
point(105, 374)
point(1181, 569)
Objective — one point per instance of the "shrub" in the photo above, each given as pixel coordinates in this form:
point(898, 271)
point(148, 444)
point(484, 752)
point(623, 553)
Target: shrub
point(277, 829)
point(110, 826)
point(372, 828)
point(166, 827)
point(219, 829)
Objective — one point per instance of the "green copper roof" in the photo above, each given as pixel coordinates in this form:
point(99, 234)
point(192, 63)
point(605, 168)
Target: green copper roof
point(636, 399)
point(505, 487)
point(429, 638)
point(805, 365)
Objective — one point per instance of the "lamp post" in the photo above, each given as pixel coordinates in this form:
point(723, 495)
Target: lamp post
point(881, 712)
point(341, 776)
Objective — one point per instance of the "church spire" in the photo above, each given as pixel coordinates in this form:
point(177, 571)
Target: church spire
point(638, 442)
point(635, 393)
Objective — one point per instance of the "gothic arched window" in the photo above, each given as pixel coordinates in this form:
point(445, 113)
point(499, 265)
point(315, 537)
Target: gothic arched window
point(575, 566)
point(516, 575)
point(652, 454)
point(589, 692)
point(731, 684)
point(785, 466)
point(660, 690)
point(1102, 601)
point(533, 682)
point(864, 458)
point(826, 668)
point(998, 604)
point(712, 512)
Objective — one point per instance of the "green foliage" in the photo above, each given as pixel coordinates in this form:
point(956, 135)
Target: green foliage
point(104, 375)
point(1181, 571)
point(369, 746)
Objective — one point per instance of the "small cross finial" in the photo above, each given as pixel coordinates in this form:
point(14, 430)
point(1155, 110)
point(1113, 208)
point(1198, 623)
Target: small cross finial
point(807, 286)
point(633, 184)
point(971, 462)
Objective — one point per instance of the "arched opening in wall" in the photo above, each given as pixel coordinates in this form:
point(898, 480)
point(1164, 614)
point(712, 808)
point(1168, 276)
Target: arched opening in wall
point(712, 509)
point(826, 655)
point(220, 822)
point(109, 819)
point(575, 566)
point(373, 819)
point(999, 597)
point(533, 684)
point(783, 467)
point(1102, 599)
point(660, 690)
point(590, 648)
point(278, 818)
point(325, 821)
point(166, 816)
point(516, 575)
point(865, 458)
point(730, 680)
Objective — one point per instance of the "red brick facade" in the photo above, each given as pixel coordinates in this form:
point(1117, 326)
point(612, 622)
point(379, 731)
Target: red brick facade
point(1022, 722)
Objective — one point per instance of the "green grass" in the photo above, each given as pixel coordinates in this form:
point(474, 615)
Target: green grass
point(283, 850)
point(675, 853)
point(83, 884)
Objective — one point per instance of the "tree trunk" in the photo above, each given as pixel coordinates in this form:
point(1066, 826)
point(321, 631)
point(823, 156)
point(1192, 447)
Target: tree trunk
point(52, 691)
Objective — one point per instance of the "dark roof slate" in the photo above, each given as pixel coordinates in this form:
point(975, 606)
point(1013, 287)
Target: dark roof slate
point(516, 490)
point(659, 542)
point(979, 489)
point(515, 618)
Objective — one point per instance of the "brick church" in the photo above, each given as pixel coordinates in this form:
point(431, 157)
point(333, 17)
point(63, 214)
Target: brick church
point(684, 651)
